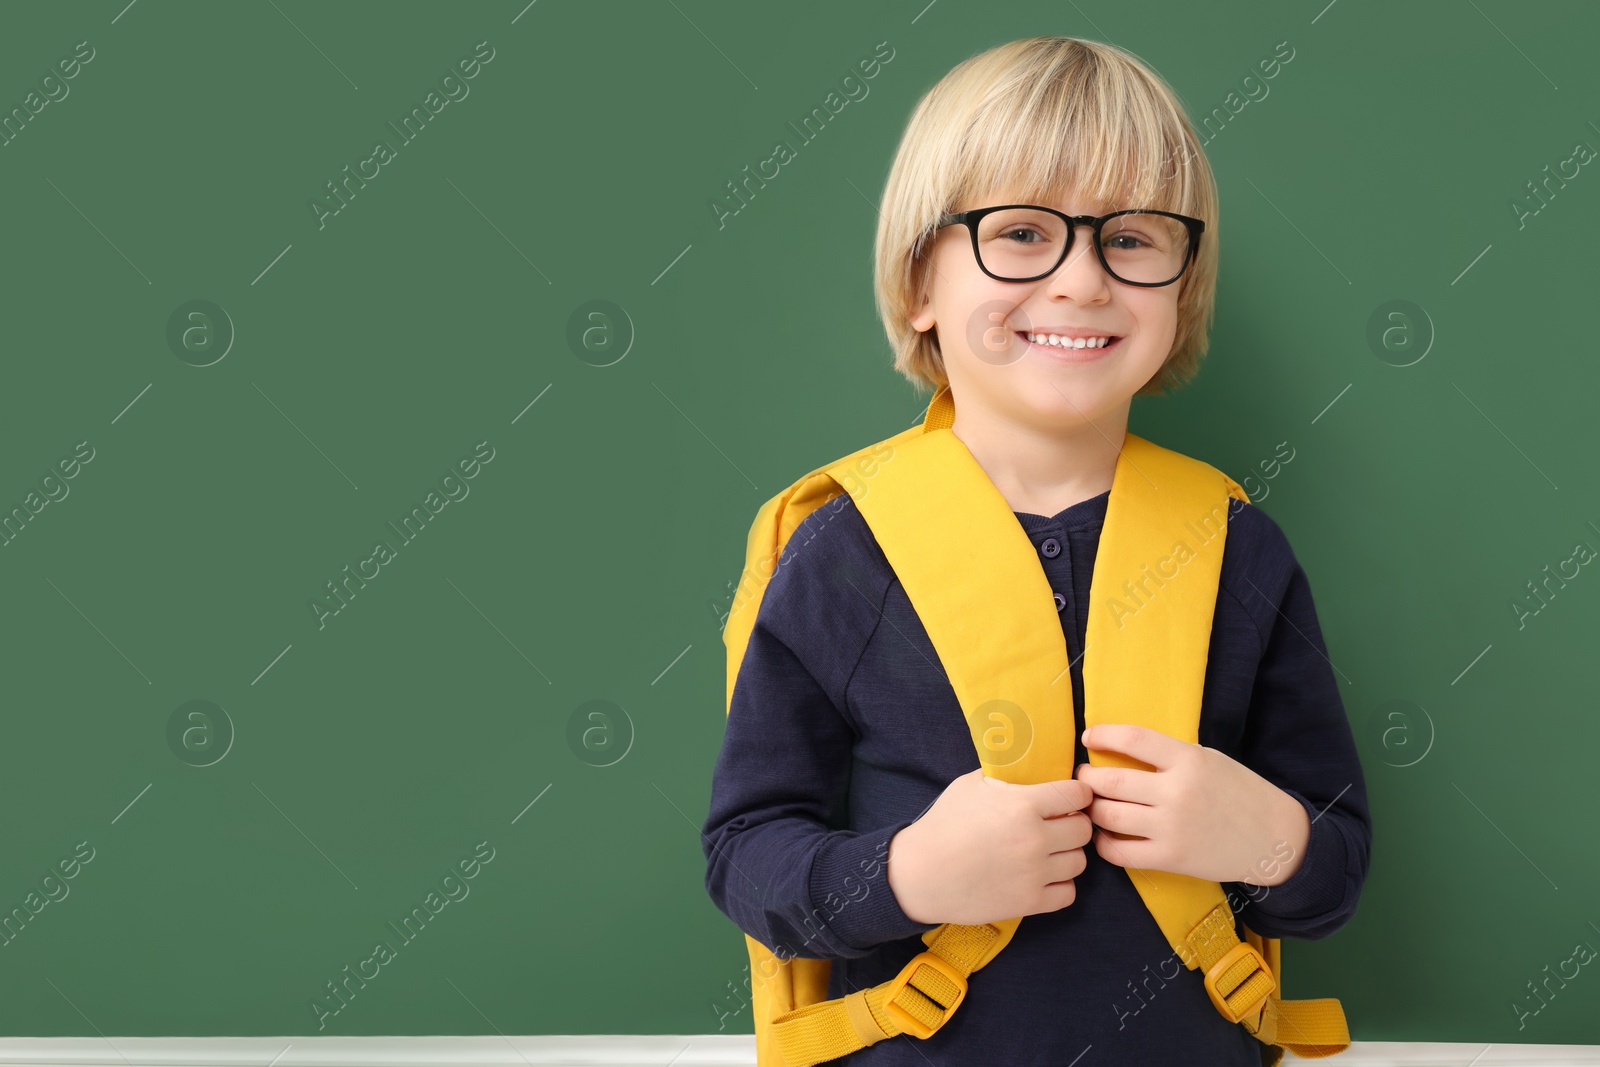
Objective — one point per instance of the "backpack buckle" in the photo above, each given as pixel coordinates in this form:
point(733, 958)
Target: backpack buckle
point(1243, 951)
point(941, 969)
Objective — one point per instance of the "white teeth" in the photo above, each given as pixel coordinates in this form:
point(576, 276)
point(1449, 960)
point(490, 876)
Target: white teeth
point(1067, 342)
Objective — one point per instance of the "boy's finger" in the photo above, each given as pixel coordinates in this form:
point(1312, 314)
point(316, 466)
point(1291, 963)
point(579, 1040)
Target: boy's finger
point(1059, 797)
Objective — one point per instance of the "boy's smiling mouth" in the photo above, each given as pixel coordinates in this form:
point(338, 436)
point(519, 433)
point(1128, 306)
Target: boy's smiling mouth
point(1071, 345)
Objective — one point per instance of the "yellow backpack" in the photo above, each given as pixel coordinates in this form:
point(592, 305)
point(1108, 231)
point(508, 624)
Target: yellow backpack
point(999, 638)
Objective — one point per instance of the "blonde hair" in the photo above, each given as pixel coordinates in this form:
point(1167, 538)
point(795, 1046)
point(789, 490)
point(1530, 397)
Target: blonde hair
point(1043, 119)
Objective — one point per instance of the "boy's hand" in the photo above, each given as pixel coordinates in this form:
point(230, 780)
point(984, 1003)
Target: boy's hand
point(988, 849)
point(1199, 813)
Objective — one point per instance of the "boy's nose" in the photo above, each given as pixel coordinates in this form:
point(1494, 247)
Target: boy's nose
point(1073, 271)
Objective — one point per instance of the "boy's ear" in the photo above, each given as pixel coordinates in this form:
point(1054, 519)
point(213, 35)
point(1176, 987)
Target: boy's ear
point(922, 321)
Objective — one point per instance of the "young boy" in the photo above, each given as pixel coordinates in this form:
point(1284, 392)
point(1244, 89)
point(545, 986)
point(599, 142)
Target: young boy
point(849, 813)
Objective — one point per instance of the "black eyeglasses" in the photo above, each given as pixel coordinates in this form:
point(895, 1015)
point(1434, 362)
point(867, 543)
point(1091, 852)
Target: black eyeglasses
point(1025, 242)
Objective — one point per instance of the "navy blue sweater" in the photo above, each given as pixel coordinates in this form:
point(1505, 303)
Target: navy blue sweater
point(842, 730)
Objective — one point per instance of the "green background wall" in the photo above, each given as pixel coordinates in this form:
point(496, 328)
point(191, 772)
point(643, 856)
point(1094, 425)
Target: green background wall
point(248, 848)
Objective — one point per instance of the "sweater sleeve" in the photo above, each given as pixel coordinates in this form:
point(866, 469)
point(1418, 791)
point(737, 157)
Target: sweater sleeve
point(779, 863)
point(1298, 737)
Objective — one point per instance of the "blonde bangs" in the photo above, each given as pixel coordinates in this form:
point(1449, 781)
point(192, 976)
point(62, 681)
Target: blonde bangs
point(1043, 120)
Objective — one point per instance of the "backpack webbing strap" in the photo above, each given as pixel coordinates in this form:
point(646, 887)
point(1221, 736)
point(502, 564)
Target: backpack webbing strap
point(1311, 1029)
point(1158, 569)
point(917, 1001)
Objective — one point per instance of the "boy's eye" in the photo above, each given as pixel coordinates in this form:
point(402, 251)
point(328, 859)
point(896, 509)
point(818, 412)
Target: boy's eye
point(1026, 232)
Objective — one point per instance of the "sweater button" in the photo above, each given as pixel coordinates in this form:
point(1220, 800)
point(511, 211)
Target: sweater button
point(1061, 602)
point(1051, 548)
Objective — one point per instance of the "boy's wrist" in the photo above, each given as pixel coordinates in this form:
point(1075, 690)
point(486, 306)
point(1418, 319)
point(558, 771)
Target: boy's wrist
point(1294, 831)
point(900, 868)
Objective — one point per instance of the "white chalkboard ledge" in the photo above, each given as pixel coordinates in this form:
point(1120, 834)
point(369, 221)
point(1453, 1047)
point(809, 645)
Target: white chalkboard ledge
point(688, 1050)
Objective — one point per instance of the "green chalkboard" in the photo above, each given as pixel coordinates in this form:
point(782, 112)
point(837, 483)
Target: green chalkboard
point(390, 387)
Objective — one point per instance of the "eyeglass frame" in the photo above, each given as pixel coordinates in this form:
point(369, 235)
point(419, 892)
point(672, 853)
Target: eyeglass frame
point(970, 219)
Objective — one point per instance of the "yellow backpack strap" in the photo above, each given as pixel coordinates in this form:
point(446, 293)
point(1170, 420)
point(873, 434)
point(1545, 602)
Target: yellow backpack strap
point(1152, 597)
point(917, 1001)
point(1311, 1029)
point(999, 639)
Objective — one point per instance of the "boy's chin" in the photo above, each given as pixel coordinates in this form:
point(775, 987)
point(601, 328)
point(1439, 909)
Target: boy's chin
point(1062, 403)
